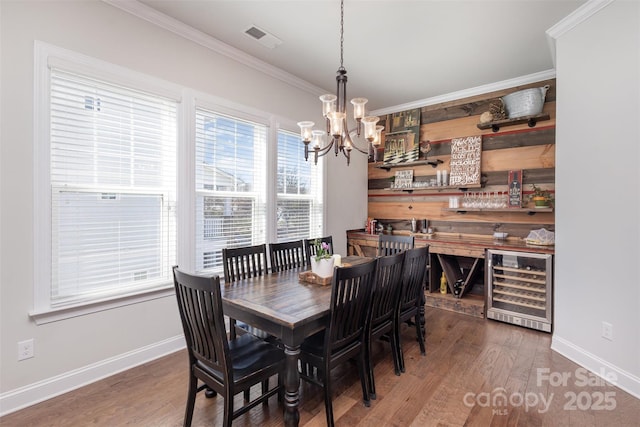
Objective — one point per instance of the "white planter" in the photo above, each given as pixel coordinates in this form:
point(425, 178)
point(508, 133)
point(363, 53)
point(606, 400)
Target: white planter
point(323, 268)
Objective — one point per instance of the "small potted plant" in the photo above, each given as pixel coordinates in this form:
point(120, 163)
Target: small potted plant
point(322, 262)
point(541, 198)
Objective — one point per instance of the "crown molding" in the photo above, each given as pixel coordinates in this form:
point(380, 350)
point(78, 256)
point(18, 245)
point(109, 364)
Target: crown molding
point(466, 93)
point(575, 18)
point(148, 14)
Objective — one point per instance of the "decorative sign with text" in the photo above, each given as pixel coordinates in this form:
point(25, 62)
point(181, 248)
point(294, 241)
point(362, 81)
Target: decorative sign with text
point(515, 189)
point(404, 179)
point(465, 161)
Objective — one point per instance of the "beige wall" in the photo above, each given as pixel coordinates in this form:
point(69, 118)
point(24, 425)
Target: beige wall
point(598, 152)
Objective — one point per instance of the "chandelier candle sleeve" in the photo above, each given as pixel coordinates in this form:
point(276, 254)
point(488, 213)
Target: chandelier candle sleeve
point(370, 127)
point(317, 138)
point(306, 130)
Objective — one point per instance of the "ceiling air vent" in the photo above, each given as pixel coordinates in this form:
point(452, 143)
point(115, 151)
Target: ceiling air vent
point(264, 38)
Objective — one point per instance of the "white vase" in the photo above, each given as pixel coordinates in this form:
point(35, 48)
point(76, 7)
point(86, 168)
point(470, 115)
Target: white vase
point(323, 268)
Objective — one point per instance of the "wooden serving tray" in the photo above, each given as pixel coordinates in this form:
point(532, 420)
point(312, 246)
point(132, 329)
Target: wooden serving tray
point(313, 278)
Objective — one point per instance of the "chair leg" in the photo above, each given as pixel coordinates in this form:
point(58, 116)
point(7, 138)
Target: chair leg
point(232, 329)
point(363, 380)
point(328, 404)
point(281, 388)
point(191, 400)
point(399, 347)
point(247, 395)
point(265, 389)
point(228, 410)
point(395, 351)
point(369, 368)
point(420, 336)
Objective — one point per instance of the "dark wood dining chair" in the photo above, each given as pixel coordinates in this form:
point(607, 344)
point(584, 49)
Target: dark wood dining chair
point(227, 367)
point(310, 247)
point(389, 244)
point(343, 339)
point(382, 311)
point(286, 255)
point(242, 263)
point(411, 300)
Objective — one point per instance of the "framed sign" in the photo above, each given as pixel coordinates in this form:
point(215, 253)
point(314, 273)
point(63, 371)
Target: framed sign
point(404, 179)
point(465, 161)
point(401, 147)
point(402, 142)
point(405, 120)
point(515, 189)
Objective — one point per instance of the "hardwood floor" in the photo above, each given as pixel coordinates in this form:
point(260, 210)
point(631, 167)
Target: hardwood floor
point(470, 364)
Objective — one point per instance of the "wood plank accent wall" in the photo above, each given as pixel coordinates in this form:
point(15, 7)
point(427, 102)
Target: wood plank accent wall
point(531, 149)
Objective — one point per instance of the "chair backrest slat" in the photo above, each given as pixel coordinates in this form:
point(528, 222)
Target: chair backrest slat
point(389, 244)
point(286, 255)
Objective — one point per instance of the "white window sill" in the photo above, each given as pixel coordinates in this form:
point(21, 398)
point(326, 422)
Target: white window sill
point(42, 317)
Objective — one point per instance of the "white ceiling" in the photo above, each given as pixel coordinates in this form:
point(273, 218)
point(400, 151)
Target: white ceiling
point(395, 52)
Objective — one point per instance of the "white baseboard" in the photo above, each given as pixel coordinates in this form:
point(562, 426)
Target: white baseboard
point(623, 380)
point(31, 394)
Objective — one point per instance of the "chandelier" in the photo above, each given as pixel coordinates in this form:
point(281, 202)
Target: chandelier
point(335, 112)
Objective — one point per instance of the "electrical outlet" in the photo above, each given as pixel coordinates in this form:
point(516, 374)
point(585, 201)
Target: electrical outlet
point(25, 349)
point(607, 331)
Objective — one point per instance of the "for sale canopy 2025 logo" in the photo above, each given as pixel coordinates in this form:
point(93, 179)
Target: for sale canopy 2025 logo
point(588, 400)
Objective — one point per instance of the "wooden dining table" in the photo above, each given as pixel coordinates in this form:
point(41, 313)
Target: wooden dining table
point(287, 308)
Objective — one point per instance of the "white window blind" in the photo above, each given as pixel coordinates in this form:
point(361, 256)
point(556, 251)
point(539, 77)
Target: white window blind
point(113, 183)
point(230, 186)
point(299, 191)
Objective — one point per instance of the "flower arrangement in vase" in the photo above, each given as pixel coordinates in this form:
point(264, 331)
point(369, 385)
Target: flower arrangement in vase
point(322, 262)
point(541, 198)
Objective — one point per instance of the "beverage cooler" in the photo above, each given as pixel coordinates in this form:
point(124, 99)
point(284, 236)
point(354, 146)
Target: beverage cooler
point(519, 288)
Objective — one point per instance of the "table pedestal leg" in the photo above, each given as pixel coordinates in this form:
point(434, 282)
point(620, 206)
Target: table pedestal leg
point(291, 386)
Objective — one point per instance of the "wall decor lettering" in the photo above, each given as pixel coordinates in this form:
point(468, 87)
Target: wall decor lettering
point(515, 189)
point(404, 179)
point(465, 160)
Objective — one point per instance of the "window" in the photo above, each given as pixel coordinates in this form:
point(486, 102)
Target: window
point(112, 183)
point(106, 165)
point(230, 186)
point(299, 191)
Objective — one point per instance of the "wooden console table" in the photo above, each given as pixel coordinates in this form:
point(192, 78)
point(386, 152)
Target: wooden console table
point(459, 256)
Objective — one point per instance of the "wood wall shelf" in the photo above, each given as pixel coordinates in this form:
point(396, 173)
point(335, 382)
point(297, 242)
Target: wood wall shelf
point(389, 166)
point(528, 211)
point(530, 120)
point(412, 189)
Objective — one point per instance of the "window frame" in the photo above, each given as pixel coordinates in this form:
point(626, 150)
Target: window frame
point(318, 172)
point(222, 108)
point(45, 57)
